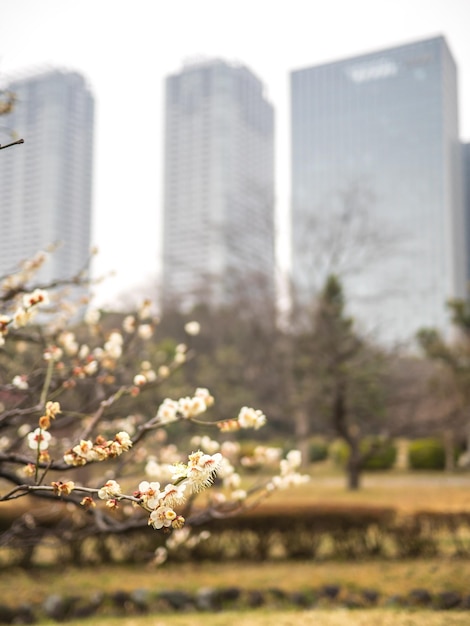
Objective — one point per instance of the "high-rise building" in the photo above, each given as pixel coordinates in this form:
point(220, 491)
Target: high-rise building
point(466, 185)
point(46, 183)
point(218, 234)
point(377, 185)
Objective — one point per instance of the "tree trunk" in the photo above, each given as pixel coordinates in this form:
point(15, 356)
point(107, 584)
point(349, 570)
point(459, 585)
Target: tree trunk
point(301, 436)
point(448, 438)
point(354, 466)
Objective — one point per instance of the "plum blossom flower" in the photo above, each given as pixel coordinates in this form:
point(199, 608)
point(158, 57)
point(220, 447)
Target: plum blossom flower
point(86, 450)
point(38, 297)
point(192, 328)
point(39, 439)
point(52, 353)
point(160, 556)
point(149, 493)
point(163, 371)
point(52, 409)
point(84, 351)
point(191, 407)
point(162, 517)
point(146, 375)
point(20, 382)
point(145, 310)
point(228, 426)
point(29, 470)
point(289, 476)
point(139, 380)
point(173, 495)
point(68, 341)
point(90, 368)
point(63, 489)
point(113, 346)
point(145, 331)
point(22, 316)
point(251, 418)
point(168, 411)
point(239, 494)
point(200, 471)
point(180, 354)
point(92, 317)
point(129, 324)
point(110, 490)
point(123, 439)
point(204, 394)
point(4, 322)
point(206, 444)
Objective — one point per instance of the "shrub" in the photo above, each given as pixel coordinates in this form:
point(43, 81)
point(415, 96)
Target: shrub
point(318, 450)
point(382, 458)
point(426, 454)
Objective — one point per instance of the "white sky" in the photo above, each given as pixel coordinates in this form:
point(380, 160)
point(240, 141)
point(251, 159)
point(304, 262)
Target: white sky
point(125, 48)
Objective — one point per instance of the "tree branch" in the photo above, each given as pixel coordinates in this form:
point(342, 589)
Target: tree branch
point(13, 143)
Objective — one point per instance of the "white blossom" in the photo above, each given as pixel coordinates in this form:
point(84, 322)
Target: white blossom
point(111, 489)
point(39, 439)
point(251, 418)
point(192, 328)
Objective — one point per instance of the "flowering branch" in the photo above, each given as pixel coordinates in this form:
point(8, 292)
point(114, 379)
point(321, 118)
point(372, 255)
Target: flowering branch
point(88, 375)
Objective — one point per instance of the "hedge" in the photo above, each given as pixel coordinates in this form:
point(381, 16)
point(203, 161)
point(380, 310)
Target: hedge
point(426, 454)
point(382, 458)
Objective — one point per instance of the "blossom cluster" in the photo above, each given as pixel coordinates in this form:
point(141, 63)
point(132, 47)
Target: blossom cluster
point(25, 273)
point(24, 313)
point(40, 438)
point(247, 418)
point(173, 480)
point(99, 450)
point(191, 477)
point(187, 407)
point(289, 475)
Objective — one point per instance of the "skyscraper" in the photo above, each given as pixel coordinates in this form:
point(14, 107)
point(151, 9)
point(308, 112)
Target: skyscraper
point(466, 186)
point(218, 234)
point(376, 138)
point(46, 183)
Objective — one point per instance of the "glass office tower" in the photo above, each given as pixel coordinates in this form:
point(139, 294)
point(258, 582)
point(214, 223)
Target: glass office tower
point(466, 179)
point(218, 234)
point(46, 183)
point(377, 185)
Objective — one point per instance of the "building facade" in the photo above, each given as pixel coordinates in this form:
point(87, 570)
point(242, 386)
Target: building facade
point(377, 193)
point(46, 183)
point(218, 234)
point(466, 185)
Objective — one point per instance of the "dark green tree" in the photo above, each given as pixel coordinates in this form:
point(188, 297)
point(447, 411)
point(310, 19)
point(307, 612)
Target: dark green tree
point(338, 378)
point(452, 355)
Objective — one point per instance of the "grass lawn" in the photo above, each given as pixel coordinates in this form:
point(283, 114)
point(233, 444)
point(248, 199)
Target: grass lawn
point(403, 490)
point(340, 617)
point(388, 577)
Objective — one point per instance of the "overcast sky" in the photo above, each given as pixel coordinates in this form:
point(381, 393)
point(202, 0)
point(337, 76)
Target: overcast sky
point(125, 48)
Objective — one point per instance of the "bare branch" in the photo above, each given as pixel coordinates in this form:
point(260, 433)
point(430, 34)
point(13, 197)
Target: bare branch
point(13, 143)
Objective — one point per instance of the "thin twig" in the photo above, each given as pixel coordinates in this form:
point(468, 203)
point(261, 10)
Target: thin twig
point(13, 143)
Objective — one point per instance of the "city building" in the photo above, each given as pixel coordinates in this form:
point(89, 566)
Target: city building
point(466, 179)
point(218, 234)
point(377, 194)
point(46, 183)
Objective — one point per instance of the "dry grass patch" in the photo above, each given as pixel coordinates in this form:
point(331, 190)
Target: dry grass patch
point(407, 492)
point(340, 617)
point(389, 577)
